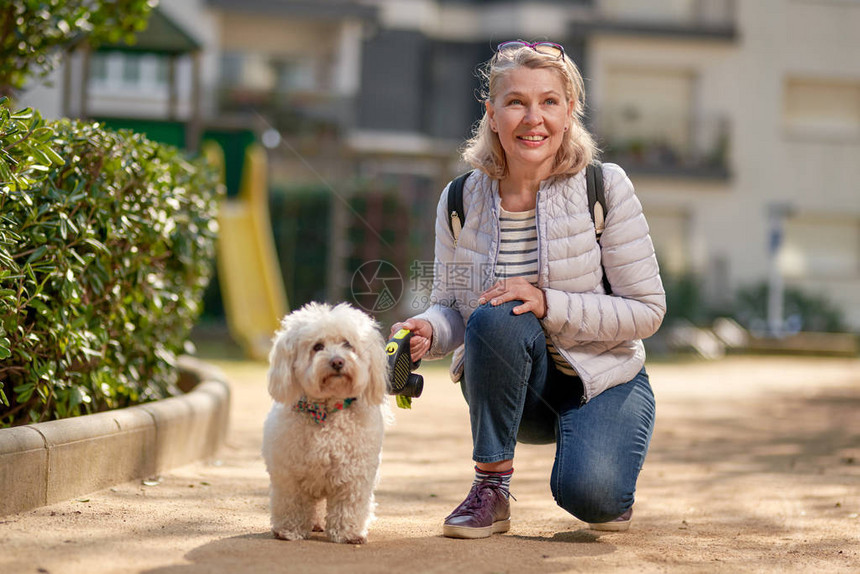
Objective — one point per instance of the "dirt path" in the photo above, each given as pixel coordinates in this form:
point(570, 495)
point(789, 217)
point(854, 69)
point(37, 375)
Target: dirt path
point(754, 467)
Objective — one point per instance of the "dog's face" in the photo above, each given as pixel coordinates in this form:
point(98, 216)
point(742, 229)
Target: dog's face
point(323, 352)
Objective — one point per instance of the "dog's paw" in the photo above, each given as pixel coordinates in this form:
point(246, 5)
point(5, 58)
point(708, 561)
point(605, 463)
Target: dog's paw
point(347, 536)
point(354, 539)
point(285, 534)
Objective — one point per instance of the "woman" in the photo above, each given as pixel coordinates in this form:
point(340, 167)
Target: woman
point(548, 355)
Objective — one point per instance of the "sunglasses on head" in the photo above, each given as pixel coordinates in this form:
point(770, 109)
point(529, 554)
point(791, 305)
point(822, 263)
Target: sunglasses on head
point(547, 48)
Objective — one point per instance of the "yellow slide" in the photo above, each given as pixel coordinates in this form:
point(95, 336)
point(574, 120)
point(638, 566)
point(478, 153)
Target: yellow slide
point(248, 271)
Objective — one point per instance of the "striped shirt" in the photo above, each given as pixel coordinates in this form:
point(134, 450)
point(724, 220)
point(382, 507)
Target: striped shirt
point(518, 257)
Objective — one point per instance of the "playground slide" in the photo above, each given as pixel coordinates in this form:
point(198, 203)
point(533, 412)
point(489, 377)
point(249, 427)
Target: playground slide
point(248, 271)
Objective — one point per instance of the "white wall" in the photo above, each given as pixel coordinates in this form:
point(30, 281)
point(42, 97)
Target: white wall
point(781, 44)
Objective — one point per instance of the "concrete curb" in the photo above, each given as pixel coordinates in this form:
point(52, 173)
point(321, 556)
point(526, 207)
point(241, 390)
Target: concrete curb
point(49, 462)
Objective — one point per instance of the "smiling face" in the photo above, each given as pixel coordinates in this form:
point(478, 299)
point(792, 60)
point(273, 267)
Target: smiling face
point(529, 112)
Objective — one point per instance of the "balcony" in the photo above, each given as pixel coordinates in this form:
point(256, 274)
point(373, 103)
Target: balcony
point(298, 113)
point(712, 19)
point(668, 143)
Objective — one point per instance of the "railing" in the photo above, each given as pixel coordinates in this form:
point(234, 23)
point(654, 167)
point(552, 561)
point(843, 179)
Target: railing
point(293, 113)
point(664, 142)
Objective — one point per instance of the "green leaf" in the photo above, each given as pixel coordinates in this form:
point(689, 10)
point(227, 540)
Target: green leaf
point(40, 156)
point(24, 392)
point(5, 173)
point(37, 254)
point(97, 245)
point(24, 114)
point(42, 134)
point(56, 158)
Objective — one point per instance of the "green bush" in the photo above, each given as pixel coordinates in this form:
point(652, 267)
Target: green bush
point(807, 311)
point(684, 300)
point(104, 258)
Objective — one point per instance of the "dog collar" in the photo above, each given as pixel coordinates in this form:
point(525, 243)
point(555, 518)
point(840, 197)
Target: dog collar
point(319, 411)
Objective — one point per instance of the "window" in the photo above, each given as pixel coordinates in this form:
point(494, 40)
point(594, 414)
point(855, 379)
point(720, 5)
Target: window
point(162, 71)
point(131, 69)
point(231, 68)
point(821, 248)
point(294, 75)
point(646, 119)
point(671, 237)
point(119, 72)
point(822, 107)
point(650, 105)
point(670, 11)
point(99, 67)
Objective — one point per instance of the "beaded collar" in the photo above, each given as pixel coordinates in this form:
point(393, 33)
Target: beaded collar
point(319, 411)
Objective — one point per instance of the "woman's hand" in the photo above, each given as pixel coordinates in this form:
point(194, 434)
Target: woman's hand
point(516, 289)
point(422, 336)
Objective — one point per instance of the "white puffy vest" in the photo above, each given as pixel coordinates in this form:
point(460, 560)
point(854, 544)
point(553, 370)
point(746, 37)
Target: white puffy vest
point(599, 334)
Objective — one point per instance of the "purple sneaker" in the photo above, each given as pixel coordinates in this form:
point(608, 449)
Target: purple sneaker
point(485, 511)
point(620, 524)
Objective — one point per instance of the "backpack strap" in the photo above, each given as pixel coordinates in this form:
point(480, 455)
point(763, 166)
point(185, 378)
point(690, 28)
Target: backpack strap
point(456, 214)
point(597, 207)
point(596, 196)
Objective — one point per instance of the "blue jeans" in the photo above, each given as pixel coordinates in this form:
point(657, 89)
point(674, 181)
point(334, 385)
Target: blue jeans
point(515, 393)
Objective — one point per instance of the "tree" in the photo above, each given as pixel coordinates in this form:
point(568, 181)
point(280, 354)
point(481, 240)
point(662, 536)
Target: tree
point(33, 33)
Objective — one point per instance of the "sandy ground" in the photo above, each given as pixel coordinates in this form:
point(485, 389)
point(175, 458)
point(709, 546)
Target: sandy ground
point(754, 467)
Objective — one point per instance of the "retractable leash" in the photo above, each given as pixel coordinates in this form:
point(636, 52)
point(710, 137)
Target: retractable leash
point(402, 382)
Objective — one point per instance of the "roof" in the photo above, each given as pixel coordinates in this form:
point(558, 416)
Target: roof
point(161, 36)
point(316, 9)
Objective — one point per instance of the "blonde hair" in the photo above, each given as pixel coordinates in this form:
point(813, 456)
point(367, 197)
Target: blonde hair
point(484, 150)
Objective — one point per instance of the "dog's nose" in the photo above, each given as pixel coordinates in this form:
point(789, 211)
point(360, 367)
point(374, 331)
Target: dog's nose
point(336, 363)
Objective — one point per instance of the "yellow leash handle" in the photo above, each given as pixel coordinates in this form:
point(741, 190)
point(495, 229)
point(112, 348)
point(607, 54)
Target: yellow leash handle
point(392, 345)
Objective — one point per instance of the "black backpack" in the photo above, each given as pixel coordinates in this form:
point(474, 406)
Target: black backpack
point(594, 190)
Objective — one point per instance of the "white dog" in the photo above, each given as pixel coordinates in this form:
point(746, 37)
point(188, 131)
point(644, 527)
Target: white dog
point(322, 440)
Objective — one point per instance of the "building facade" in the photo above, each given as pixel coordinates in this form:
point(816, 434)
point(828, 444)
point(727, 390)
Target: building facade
point(737, 120)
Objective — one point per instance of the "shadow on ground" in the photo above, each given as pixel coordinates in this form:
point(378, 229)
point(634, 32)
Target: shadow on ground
point(786, 433)
point(260, 552)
